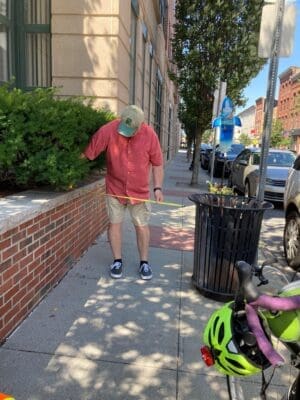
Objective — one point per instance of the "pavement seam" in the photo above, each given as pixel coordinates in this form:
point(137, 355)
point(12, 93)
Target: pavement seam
point(98, 360)
point(178, 370)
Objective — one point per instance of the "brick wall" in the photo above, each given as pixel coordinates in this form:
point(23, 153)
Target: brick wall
point(37, 253)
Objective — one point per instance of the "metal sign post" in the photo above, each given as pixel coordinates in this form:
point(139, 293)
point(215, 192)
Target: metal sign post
point(267, 126)
point(219, 94)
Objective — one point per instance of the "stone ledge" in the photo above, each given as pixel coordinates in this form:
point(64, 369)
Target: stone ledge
point(21, 207)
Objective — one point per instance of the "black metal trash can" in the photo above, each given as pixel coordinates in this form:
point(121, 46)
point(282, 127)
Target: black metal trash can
point(227, 230)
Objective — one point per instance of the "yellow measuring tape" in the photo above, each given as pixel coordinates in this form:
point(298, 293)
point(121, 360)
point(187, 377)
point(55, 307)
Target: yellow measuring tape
point(164, 203)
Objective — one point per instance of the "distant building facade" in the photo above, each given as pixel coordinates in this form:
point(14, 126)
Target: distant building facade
point(116, 52)
point(259, 115)
point(260, 105)
point(289, 104)
point(247, 117)
point(286, 109)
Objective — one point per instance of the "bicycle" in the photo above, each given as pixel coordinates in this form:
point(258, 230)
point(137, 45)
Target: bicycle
point(239, 337)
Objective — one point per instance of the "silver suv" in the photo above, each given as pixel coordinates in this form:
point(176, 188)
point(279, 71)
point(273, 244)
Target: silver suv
point(291, 235)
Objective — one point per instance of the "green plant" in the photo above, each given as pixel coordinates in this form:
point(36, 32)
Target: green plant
point(217, 188)
point(245, 139)
point(278, 139)
point(41, 138)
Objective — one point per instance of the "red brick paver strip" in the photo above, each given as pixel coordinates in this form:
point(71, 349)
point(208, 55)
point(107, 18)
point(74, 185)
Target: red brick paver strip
point(172, 238)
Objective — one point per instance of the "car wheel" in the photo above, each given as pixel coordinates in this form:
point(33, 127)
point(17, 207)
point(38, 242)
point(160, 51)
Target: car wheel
point(291, 239)
point(247, 189)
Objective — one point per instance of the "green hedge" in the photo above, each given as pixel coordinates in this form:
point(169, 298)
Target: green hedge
point(41, 138)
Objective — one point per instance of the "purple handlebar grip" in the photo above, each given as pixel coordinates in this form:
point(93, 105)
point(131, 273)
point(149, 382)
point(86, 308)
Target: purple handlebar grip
point(277, 303)
point(263, 342)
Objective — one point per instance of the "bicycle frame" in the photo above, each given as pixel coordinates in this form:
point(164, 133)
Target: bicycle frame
point(279, 313)
point(294, 390)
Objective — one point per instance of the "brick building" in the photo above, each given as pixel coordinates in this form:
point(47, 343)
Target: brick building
point(286, 109)
point(289, 104)
point(259, 115)
point(114, 51)
point(260, 105)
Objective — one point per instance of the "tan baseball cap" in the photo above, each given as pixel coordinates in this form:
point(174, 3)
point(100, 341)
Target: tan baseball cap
point(131, 119)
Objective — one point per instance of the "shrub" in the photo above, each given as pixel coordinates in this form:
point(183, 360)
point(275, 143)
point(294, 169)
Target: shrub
point(41, 138)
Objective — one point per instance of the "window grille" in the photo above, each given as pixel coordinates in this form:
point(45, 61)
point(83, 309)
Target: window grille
point(158, 104)
point(25, 43)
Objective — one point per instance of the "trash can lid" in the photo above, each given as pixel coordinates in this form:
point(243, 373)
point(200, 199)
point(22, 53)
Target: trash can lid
point(227, 201)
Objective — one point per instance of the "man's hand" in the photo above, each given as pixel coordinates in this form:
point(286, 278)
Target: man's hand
point(158, 195)
point(82, 156)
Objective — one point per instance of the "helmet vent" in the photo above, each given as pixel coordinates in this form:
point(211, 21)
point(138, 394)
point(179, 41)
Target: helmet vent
point(209, 339)
point(216, 321)
point(221, 333)
point(223, 366)
point(235, 364)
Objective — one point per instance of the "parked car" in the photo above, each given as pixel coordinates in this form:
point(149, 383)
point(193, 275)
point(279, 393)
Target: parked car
point(204, 148)
point(244, 174)
point(223, 160)
point(291, 234)
point(205, 151)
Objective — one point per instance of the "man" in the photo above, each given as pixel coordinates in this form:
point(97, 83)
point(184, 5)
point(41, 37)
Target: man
point(132, 149)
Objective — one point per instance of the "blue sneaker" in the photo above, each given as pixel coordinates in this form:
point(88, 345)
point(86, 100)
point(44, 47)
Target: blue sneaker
point(116, 270)
point(145, 271)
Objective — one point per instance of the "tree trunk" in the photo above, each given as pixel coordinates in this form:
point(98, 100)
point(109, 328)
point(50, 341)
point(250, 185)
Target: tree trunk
point(195, 174)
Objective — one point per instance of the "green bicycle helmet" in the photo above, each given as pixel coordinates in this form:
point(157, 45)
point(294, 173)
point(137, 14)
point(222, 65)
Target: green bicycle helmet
point(285, 325)
point(231, 343)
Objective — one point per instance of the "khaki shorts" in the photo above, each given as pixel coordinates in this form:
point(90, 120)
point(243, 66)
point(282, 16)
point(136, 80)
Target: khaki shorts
point(140, 213)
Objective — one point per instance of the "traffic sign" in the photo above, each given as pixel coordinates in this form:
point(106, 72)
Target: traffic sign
point(268, 27)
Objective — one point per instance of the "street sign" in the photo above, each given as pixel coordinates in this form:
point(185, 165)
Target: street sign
point(268, 27)
point(219, 94)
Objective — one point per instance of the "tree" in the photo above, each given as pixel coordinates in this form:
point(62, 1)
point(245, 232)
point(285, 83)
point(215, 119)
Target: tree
point(245, 139)
point(277, 137)
point(212, 41)
point(207, 136)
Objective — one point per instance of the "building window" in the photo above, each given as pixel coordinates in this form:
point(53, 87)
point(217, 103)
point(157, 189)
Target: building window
point(169, 132)
point(144, 63)
point(25, 43)
point(150, 81)
point(133, 38)
point(163, 10)
point(5, 37)
point(158, 104)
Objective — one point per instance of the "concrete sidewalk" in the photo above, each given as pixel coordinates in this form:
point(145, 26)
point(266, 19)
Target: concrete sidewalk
point(95, 338)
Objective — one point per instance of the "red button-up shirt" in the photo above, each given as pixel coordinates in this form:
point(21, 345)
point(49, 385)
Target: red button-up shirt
point(128, 160)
